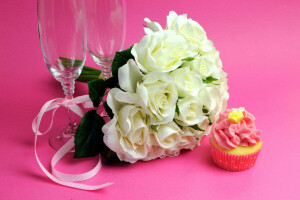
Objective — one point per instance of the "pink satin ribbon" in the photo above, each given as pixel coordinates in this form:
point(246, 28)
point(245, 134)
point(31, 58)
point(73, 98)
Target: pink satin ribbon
point(57, 176)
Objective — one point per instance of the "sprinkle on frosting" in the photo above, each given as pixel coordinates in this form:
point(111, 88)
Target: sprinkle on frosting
point(239, 132)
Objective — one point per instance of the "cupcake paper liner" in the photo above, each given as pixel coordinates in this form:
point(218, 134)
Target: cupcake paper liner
point(233, 162)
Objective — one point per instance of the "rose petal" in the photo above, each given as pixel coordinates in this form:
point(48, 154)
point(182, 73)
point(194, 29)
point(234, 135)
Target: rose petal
point(129, 75)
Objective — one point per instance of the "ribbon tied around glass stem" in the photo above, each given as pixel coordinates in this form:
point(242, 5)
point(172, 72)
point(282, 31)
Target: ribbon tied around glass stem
point(57, 176)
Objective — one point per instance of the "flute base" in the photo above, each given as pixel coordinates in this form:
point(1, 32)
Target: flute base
point(60, 136)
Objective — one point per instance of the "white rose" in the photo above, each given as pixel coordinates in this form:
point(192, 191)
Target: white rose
point(214, 97)
point(203, 124)
point(167, 135)
point(127, 134)
point(189, 82)
point(159, 93)
point(164, 141)
point(190, 138)
point(129, 75)
point(152, 26)
point(189, 111)
point(223, 87)
point(215, 56)
point(173, 152)
point(205, 65)
point(162, 51)
point(155, 151)
point(190, 29)
point(209, 96)
point(221, 102)
point(117, 98)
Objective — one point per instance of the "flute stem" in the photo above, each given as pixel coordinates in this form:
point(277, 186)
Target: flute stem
point(68, 87)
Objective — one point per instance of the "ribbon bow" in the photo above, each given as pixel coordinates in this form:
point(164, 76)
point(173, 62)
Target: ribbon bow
point(57, 176)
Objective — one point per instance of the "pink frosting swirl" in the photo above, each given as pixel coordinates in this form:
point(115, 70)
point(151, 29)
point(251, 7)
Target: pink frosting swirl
point(229, 135)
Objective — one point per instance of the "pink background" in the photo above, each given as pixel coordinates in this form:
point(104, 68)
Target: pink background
point(259, 46)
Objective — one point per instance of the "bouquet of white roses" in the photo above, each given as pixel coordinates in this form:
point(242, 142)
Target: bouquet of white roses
point(164, 94)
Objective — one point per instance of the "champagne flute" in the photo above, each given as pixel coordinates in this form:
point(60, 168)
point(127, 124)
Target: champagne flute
point(62, 34)
point(106, 24)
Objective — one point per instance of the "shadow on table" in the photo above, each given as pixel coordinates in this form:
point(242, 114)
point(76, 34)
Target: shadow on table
point(36, 176)
point(202, 155)
point(205, 156)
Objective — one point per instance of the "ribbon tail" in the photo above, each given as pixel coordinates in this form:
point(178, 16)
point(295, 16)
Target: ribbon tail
point(65, 183)
point(72, 177)
point(49, 105)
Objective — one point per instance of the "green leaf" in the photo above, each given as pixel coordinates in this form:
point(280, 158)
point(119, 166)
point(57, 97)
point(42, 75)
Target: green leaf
point(180, 97)
point(154, 127)
point(89, 136)
point(109, 154)
point(108, 110)
point(97, 89)
point(177, 109)
point(188, 59)
point(204, 110)
point(209, 79)
point(210, 122)
point(111, 82)
point(120, 59)
point(196, 127)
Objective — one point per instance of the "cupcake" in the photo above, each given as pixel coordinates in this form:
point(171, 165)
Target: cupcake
point(235, 141)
